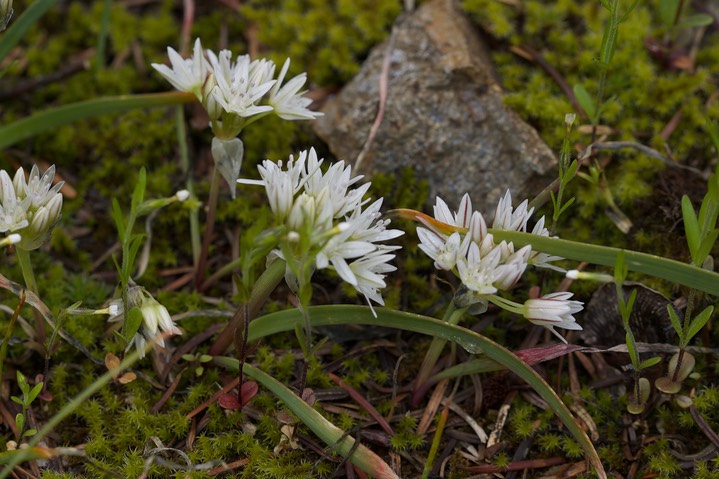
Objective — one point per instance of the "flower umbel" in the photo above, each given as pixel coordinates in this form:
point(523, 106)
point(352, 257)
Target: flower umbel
point(325, 223)
point(30, 207)
point(460, 242)
point(156, 320)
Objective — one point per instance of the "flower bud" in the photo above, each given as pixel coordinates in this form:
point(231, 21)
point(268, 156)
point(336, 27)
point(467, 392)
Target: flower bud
point(5, 13)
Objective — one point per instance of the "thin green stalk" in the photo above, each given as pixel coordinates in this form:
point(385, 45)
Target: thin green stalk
point(264, 286)
point(23, 258)
point(434, 448)
point(209, 228)
point(102, 35)
point(469, 340)
point(451, 316)
point(24, 454)
point(333, 436)
point(190, 185)
point(47, 120)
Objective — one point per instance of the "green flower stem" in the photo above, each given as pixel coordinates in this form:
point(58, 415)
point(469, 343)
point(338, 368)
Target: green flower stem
point(23, 258)
point(190, 185)
point(668, 269)
point(30, 453)
point(52, 118)
point(451, 316)
point(333, 436)
point(264, 286)
point(209, 228)
point(469, 340)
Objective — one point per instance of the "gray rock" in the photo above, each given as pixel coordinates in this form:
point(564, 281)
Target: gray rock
point(444, 114)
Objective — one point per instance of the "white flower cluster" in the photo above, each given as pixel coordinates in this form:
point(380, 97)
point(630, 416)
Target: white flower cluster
point(338, 229)
point(30, 208)
point(242, 87)
point(460, 242)
point(156, 320)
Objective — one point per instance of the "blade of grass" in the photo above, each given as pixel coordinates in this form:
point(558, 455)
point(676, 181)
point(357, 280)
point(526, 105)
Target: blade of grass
point(469, 340)
point(54, 117)
point(685, 274)
point(20, 27)
point(333, 436)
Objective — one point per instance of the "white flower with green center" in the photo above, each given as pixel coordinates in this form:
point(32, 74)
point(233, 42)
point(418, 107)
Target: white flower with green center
point(325, 221)
point(553, 310)
point(240, 85)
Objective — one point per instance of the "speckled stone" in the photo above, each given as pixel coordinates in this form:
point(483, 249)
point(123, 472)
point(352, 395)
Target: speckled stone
point(444, 114)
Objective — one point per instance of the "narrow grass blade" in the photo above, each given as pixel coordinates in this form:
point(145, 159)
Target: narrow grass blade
point(469, 340)
point(671, 270)
point(333, 436)
point(12, 36)
point(55, 117)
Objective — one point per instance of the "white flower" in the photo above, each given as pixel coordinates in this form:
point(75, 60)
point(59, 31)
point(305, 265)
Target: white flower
point(186, 74)
point(326, 223)
point(542, 260)
point(156, 320)
point(505, 218)
point(553, 310)
point(240, 85)
point(31, 208)
point(287, 102)
point(444, 252)
point(479, 272)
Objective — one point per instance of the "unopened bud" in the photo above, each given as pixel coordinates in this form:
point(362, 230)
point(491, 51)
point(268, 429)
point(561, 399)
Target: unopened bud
point(10, 239)
point(5, 13)
point(182, 195)
point(599, 277)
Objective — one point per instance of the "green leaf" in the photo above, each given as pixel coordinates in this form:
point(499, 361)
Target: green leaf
point(20, 27)
point(698, 323)
point(676, 323)
point(469, 340)
point(50, 119)
point(691, 227)
point(118, 217)
point(20, 421)
point(32, 395)
point(629, 10)
point(706, 246)
point(138, 194)
point(609, 39)
point(620, 271)
point(133, 322)
point(337, 439)
point(30, 432)
point(671, 270)
point(696, 20)
point(567, 205)
point(648, 363)
point(17, 400)
point(713, 131)
point(668, 12)
point(585, 100)
point(632, 349)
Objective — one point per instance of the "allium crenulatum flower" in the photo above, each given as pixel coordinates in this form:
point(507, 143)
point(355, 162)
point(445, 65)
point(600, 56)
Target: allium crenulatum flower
point(328, 223)
point(460, 242)
point(234, 90)
point(30, 208)
point(156, 320)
